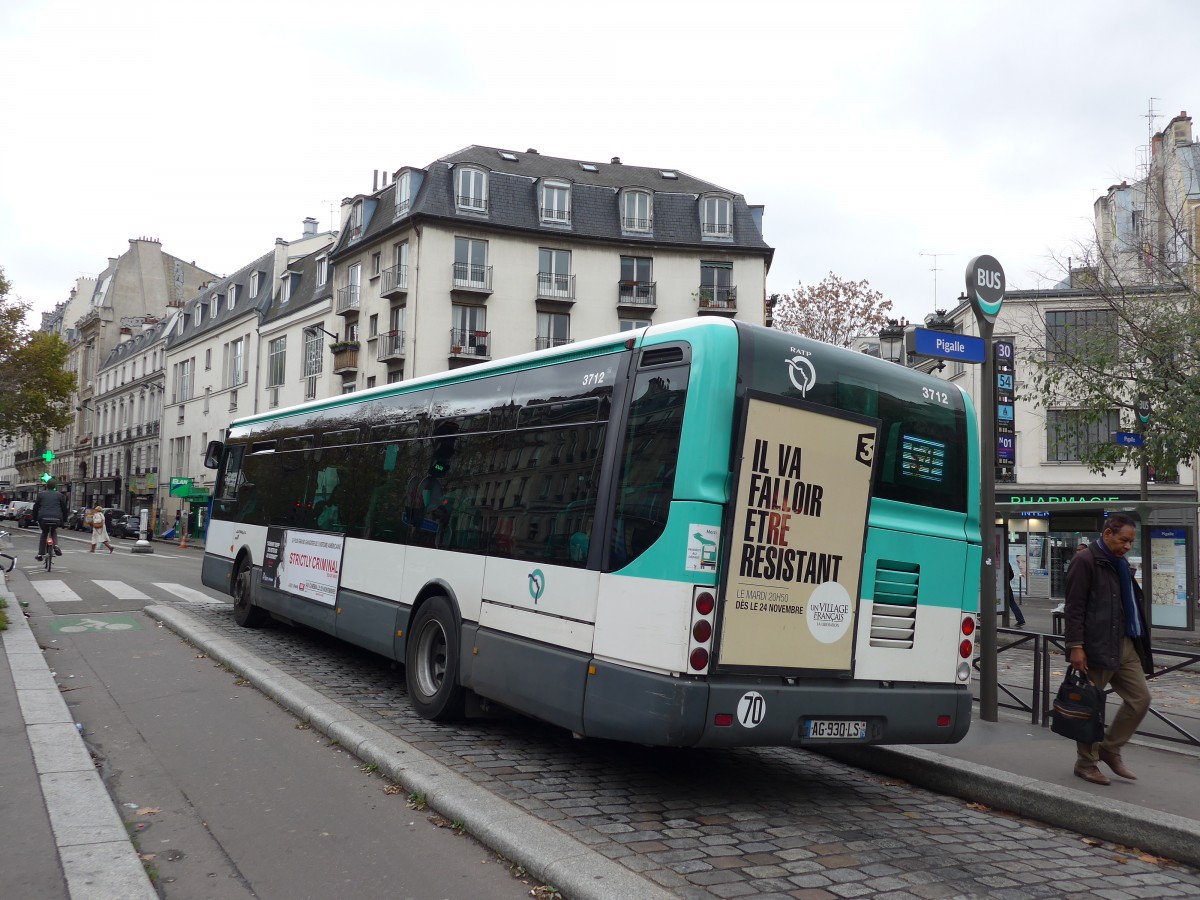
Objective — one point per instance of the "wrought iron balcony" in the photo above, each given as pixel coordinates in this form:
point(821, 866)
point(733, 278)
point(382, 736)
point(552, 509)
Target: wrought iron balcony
point(556, 216)
point(636, 293)
point(634, 223)
point(717, 299)
point(543, 342)
point(391, 346)
point(394, 282)
point(348, 299)
point(475, 204)
point(470, 343)
point(469, 277)
point(551, 286)
point(716, 229)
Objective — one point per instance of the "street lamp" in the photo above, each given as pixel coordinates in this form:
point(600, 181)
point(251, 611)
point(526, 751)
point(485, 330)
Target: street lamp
point(939, 321)
point(313, 329)
point(891, 341)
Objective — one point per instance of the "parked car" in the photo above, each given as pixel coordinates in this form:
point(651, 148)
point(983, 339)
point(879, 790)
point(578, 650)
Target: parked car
point(21, 512)
point(126, 526)
point(25, 520)
point(77, 519)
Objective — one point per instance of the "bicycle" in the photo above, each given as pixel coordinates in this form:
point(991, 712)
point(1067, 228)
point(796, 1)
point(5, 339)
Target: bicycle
point(51, 548)
point(6, 544)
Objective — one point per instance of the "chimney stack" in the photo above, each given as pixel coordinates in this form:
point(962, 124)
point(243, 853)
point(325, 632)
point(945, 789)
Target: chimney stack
point(616, 160)
point(310, 227)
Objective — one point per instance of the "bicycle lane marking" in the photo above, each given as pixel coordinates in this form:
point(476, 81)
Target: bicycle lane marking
point(191, 595)
point(121, 590)
point(78, 624)
point(55, 592)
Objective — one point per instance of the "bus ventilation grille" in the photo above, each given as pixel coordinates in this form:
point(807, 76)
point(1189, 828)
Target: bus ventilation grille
point(894, 611)
point(660, 356)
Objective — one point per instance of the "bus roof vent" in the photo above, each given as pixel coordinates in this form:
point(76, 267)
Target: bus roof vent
point(660, 356)
point(894, 607)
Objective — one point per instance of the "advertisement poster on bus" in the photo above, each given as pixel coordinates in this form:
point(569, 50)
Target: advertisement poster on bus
point(305, 563)
point(799, 528)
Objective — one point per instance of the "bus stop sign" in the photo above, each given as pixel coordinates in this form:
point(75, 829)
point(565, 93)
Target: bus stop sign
point(985, 286)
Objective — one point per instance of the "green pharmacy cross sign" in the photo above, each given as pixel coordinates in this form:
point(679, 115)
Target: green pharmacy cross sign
point(48, 456)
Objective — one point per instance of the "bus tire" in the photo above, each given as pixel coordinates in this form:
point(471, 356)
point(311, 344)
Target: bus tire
point(431, 662)
point(245, 613)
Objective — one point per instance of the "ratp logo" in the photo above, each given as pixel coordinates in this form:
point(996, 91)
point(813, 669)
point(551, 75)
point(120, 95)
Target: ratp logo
point(801, 372)
point(537, 584)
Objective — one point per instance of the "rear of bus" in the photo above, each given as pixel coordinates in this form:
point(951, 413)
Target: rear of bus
point(815, 575)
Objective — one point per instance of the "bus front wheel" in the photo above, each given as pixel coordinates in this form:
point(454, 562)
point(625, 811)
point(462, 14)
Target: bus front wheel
point(245, 613)
point(431, 662)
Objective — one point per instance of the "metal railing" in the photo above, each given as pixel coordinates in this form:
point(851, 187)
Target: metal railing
point(464, 342)
point(543, 342)
point(717, 297)
point(391, 346)
point(636, 293)
point(551, 286)
point(395, 280)
point(472, 277)
point(348, 298)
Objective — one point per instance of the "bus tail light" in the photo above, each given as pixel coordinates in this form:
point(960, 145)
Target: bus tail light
point(704, 607)
point(966, 647)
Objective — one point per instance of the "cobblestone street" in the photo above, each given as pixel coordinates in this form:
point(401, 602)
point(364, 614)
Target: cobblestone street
point(747, 823)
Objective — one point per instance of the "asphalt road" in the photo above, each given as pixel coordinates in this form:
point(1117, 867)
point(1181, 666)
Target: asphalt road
point(703, 824)
point(226, 794)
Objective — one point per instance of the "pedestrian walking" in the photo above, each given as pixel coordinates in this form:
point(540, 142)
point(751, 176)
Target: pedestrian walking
point(99, 530)
point(1107, 635)
point(1008, 595)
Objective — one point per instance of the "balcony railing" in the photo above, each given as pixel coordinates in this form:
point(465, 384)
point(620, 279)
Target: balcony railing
point(718, 299)
point(542, 342)
point(469, 277)
point(551, 286)
point(636, 293)
point(391, 346)
point(348, 298)
point(394, 282)
point(633, 223)
point(717, 229)
point(475, 204)
point(557, 216)
point(470, 343)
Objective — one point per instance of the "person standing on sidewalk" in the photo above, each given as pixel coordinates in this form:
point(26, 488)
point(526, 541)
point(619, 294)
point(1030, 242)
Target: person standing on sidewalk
point(1008, 595)
point(1107, 635)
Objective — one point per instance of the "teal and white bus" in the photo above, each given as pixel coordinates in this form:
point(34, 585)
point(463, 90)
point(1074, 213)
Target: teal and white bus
point(701, 533)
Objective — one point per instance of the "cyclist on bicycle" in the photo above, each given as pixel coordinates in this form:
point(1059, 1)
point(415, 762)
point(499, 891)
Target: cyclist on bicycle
point(49, 511)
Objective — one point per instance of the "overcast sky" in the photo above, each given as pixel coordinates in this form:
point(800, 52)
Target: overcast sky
point(872, 132)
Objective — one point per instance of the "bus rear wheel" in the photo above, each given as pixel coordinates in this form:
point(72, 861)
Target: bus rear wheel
point(431, 662)
point(245, 613)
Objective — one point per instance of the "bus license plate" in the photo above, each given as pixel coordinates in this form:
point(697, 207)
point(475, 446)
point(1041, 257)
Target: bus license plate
point(836, 729)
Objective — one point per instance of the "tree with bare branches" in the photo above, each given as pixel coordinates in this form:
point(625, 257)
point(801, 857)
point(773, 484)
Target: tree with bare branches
point(834, 311)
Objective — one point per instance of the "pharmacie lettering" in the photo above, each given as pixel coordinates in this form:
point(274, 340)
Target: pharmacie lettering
point(319, 563)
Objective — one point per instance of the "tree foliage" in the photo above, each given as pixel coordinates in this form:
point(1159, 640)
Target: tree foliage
point(35, 391)
point(833, 311)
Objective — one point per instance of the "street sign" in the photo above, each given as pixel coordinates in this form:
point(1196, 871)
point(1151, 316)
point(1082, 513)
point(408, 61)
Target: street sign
point(946, 345)
point(1129, 439)
point(180, 487)
point(985, 286)
point(1005, 354)
point(1004, 381)
point(1006, 449)
point(1143, 409)
point(1004, 412)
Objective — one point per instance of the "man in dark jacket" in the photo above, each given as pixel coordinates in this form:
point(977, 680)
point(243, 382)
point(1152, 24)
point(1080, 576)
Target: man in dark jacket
point(49, 510)
point(1107, 633)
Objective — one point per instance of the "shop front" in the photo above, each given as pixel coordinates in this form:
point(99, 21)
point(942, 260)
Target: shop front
point(1042, 531)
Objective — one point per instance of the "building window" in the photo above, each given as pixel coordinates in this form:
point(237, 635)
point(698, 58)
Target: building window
point(716, 290)
point(285, 287)
point(1068, 434)
point(470, 329)
point(276, 361)
point(254, 284)
point(322, 270)
point(715, 217)
point(637, 286)
point(231, 297)
point(472, 190)
point(356, 219)
point(554, 273)
point(403, 193)
point(376, 263)
point(313, 359)
point(207, 358)
point(635, 212)
point(470, 262)
point(183, 381)
point(236, 369)
point(553, 330)
point(395, 375)
point(556, 202)
point(373, 326)
point(631, 324)
point(1073, 334)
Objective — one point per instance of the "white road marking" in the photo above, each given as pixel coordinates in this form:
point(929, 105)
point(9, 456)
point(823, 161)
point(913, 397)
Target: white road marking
point(191, 595)
point(55, 592)
point(121, 590)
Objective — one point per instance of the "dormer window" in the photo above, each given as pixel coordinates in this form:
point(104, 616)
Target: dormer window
point(636, 211)
point(254, 284)
point(472, 190)
point(403, 193)
point(231, 297)
point(322, 270)
point(285, 287)
point(716, 217)
point(201, 309)
point(356, 219)
point(556, 202)
point(215, 307)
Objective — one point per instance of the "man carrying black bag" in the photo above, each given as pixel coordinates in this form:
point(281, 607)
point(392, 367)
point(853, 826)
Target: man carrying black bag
point(1107, 632)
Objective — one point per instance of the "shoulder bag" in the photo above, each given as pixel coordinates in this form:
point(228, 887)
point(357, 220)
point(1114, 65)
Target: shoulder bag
point(1078, 710)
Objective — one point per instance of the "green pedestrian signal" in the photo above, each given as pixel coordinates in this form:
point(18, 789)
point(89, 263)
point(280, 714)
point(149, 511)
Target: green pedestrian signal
point(48, 456)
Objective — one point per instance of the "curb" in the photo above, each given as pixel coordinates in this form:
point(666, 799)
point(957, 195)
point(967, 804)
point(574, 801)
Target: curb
point(1163, 834)
point(548, 854)
point(97, 857)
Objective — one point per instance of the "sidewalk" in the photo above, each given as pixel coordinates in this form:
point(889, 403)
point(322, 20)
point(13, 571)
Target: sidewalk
point(73, 843)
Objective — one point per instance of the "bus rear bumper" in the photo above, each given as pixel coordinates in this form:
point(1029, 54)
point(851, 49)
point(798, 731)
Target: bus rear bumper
point(643, 707)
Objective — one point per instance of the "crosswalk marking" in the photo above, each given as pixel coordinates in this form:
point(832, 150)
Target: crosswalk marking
point(55, 591)
point(186, 593)
point(121, 590)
